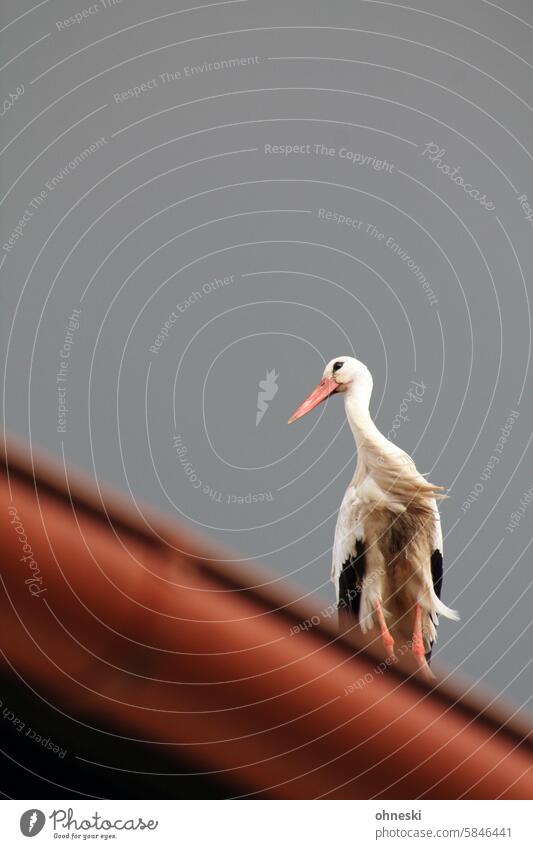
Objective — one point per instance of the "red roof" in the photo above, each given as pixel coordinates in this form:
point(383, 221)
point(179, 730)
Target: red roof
point(141, 626)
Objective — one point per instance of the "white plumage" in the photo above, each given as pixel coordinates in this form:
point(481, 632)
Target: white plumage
point(387, 551)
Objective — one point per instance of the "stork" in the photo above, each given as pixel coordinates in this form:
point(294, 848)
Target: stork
point(387, 551)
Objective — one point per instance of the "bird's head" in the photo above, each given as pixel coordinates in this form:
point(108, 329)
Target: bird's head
point(342, 374)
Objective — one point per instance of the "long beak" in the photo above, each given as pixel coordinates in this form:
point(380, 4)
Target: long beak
point(324, 389)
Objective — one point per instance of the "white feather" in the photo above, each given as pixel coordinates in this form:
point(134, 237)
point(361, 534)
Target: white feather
point(348, 530)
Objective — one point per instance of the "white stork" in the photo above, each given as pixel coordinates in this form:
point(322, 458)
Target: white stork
point(387, 552)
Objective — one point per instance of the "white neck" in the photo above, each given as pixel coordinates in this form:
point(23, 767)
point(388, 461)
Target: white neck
point(359, 418)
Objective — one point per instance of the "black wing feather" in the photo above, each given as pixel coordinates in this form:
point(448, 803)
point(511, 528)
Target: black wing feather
point(436, 571)
point(351, 583)
point(436, 574)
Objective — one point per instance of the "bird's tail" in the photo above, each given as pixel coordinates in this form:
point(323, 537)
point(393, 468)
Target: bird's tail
point(435, 607)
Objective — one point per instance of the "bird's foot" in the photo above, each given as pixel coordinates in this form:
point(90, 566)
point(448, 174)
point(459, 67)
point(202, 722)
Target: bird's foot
point(418, 647)
point(389, 648)
point(386, 635)
point(424, 668)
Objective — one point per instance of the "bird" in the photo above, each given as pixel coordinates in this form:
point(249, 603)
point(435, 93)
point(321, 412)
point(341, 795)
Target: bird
point(387, 557)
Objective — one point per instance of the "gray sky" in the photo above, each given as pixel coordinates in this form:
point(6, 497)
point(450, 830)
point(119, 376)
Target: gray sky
point(202, 208)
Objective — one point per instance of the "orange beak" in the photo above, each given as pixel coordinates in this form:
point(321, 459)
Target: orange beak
point(325, 388)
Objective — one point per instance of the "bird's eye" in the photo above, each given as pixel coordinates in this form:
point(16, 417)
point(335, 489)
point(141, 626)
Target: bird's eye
point(337, 366)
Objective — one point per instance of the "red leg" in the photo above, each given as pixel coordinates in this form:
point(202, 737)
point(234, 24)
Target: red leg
point(418, 646)
point(386, 635)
